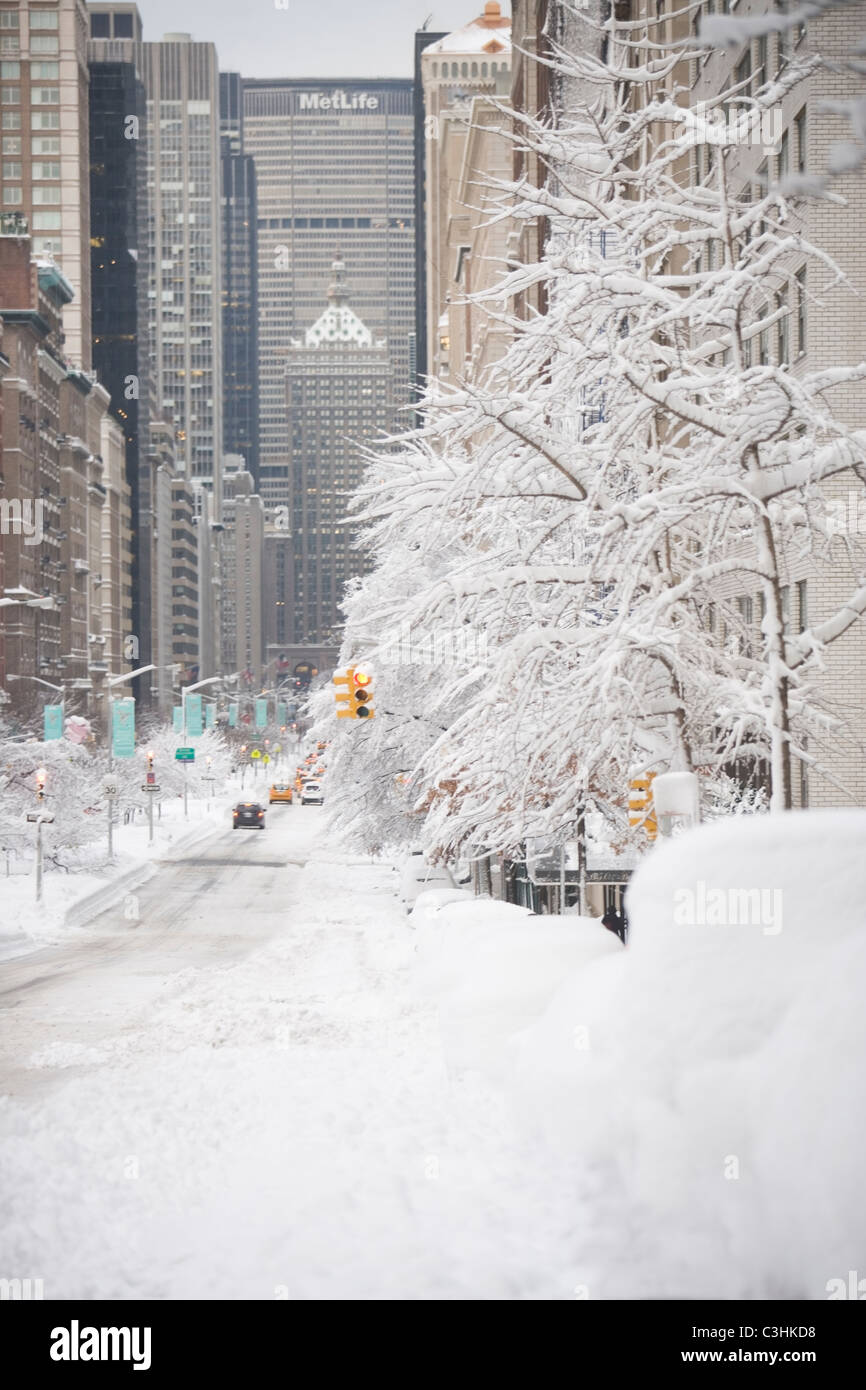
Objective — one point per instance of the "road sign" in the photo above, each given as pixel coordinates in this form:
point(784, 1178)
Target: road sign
point(41, 816)
point(149, 787)
point(109, 788)
point(184, 755)
point(266, 758)
point(256, 753)
point(150, 777)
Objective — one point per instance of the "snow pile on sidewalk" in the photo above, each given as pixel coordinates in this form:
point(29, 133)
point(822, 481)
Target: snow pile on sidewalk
point(710, 1075)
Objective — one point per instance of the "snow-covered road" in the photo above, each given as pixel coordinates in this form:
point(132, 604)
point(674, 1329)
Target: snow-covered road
point(238, 1095)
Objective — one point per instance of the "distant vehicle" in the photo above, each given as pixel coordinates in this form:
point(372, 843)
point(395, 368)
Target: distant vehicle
point(280, 791)
point(249, 814)
point(312, 794)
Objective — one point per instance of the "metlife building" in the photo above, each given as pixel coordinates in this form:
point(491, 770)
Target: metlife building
point(335, 170)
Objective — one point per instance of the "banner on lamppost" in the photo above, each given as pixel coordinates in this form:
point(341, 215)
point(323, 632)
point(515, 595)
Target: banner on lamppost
point(53, 716)
point(261, 714)
point(233, 716)
point(282, 714)
point(123, 727)
point(177, 719)
point(209, 716)
point(194, 724)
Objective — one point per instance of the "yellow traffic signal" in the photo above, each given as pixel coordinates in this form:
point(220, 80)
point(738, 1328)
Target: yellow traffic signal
point(41, 778)
point(363, 695)
point(640, 804)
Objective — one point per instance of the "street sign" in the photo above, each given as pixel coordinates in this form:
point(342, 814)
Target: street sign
point(41, 817)
point(109, 788)
point(150, 777)
point(149, 787)
point(184, 755)
point(266, 758)
point(256, 753)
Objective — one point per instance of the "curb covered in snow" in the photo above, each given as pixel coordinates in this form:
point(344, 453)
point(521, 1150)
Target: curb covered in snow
point(92, 904)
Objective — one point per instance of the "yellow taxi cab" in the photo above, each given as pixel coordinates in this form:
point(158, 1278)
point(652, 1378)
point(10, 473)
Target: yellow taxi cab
point(280, 791)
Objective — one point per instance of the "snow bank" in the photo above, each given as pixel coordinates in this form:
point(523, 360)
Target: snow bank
point(711, 1074)
point(493, 968)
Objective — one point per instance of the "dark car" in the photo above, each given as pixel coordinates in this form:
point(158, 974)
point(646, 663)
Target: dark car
point(250, 814)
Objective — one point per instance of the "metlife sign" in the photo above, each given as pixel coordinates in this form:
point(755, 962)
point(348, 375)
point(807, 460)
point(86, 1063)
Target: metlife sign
point(337, 101)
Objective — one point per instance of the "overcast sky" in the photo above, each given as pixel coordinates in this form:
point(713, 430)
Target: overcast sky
point(309, 38)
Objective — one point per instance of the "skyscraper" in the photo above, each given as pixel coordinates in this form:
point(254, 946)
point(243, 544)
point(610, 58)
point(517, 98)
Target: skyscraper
point(181, 81)
point(185, 287)
point(339, 382)
point(240, 302)
point(335, 167)
point(119, 274)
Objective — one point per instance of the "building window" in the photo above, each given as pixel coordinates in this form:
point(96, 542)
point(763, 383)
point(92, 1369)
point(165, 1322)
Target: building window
point(802, 606)
point(9, 19)
point(100, 26)
point(45, 144)
point(763, 341)
point(784, 335)
point(45, 120)
point(44, 70)
point(10, 96)
point(12, 196)
point(10, 69)
point(46, 169)
point(9, 43)
point(45, 96)
point(800, 126)
point(784, 155)
point(11, 120)
point(11, 144)
point(43, 19)
point(46, 195)
point(46, 221)
point(11, 168)
point(45, 43)
point(801, 310)
point(123, 26)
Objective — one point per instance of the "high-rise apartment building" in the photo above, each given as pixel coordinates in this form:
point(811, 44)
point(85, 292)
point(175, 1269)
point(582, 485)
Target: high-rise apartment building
point(240, 301)
point(242, 566)
point(338, 385)
point(45, 144)
point(335, 168)
point(423, 39)
point(472, 63)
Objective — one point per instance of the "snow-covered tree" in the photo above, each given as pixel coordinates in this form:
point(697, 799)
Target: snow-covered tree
point(622, 496)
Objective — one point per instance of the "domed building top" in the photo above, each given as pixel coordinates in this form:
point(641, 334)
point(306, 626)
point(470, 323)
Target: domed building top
point(489, 33)
point(338, 324)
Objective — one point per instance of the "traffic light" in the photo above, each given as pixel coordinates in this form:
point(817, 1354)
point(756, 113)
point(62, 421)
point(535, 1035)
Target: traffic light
point(149, 756)
point(640, 804)
point(343, 698)
point(363, 695)
point(41, 777)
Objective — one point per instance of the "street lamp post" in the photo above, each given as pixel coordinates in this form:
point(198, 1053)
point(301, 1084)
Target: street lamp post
point(110, 795)
point(187, 690)
point(59, 688)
